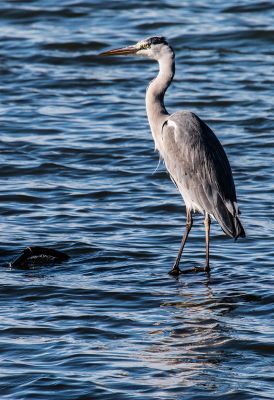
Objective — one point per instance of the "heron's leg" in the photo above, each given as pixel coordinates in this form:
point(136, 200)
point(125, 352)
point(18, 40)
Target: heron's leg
point(207, 232)
point(207, 223)
point(175, 269)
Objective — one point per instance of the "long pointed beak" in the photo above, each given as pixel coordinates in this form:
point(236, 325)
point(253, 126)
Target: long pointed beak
point(119, 52)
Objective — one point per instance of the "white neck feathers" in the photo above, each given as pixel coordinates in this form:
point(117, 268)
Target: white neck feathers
point(156, 111)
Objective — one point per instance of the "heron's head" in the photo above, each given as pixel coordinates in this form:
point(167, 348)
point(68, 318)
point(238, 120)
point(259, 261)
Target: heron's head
point(155, 47)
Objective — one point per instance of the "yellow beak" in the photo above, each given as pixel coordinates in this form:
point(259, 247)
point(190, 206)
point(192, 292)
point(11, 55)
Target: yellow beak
point(120, 52)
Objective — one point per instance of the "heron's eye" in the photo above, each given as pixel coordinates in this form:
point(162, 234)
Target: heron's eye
point(145, 46)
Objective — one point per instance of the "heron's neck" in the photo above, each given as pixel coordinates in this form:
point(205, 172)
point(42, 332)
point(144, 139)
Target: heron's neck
point(156, 111)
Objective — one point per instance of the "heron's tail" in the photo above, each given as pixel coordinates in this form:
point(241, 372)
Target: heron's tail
point(230, 223)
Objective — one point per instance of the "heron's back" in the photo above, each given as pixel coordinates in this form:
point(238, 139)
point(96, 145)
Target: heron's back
point(200, 169)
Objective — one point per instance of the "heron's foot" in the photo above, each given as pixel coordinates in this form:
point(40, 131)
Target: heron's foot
point(175, 271)
point(205, 268)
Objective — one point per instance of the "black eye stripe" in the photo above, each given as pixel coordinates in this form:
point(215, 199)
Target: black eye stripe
point(157, 40)
point(153, 41)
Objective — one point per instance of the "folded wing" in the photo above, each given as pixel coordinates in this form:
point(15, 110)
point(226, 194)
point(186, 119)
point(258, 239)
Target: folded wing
point(199, 167)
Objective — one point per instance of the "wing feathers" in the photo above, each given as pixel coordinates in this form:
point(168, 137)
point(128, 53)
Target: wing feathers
point(199, 166)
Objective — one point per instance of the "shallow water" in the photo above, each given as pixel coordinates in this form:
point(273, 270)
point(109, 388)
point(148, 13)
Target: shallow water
point(77, 174)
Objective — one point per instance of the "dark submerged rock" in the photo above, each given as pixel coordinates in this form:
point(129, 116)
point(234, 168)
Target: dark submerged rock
point(36, 255)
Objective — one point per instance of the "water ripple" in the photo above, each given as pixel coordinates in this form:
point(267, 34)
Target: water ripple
point(78, 174)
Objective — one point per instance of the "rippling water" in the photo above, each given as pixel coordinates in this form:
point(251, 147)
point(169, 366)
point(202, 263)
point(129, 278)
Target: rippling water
point(77, 167)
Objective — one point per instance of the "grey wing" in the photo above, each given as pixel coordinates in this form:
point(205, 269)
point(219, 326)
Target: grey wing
point(199, 166)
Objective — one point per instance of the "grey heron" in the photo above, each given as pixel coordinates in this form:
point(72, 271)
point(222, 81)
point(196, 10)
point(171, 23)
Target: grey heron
point(193, 156)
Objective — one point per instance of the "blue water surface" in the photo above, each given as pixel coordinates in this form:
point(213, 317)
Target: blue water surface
point(77, 174)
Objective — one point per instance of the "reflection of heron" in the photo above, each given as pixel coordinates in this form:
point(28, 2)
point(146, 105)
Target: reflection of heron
point(193, 155)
